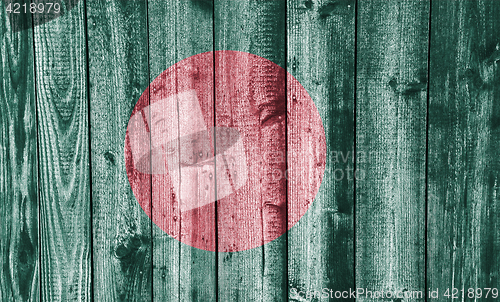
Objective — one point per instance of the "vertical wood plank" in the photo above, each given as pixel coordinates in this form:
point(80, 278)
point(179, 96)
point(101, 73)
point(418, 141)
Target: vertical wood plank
point(118, 71)
point(64, 157)
point(321, 57)
point(179, 29)
point(464, 171)
point(162, 27)
point(256, 27)
point(391, 130)
point(19, 275)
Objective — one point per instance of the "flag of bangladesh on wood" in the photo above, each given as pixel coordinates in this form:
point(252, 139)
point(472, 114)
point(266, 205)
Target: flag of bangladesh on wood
point(243, 150)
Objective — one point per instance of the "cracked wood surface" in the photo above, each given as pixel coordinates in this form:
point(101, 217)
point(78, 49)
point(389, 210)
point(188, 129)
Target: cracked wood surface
point(416, 122)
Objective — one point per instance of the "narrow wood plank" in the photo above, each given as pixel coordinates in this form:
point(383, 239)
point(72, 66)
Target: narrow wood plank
point(19, 275)
point(256, 27)
point(64, 158)
point(118, 71)
point(464, 171)
point(321, 57)
point(391, 130)
point(177, 30)
point(162, 27)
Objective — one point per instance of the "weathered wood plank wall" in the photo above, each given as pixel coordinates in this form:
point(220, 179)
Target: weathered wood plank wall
point(407, 95)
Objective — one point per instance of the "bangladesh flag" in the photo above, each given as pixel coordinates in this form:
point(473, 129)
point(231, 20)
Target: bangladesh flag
point(214, 143)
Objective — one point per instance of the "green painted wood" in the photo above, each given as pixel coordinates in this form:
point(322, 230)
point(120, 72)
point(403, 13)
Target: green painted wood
point(321, 56)
point(118, 74)
point(378, 242)
point(179, 29)
point(62, 109)
point(257, 27)
point(392, 43)
point(162, 27)
point(464, 171)
point(18, 159)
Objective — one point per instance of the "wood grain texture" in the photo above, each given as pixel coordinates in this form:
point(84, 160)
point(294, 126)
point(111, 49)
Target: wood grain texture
point(63, 158)
point(257, 27)
point(118, 74)
point(177, 30)
point(391, 130)
point(321, 57)
point(464, 115)
point(19, 275)
point(372, 228)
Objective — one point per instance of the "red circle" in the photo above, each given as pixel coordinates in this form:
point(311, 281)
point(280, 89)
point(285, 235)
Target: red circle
point(256, 161)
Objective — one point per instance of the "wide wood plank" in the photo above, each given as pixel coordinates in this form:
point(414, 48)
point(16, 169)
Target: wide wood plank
point(256, 27)
point(392, 43)
point(19, 275)
point(321, 57)
point(177, 30)
point(61, 87)
point(464, 132)
point(118, 74)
